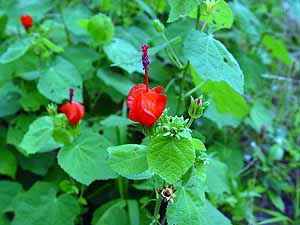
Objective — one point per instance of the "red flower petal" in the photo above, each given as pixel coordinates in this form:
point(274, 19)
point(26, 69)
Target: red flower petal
point(74, 111)
point(26, 21)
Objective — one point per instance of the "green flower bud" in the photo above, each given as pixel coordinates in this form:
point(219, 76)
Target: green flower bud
point(159, 27)
point(196, 108)
point(210, 4)
point(52, 109)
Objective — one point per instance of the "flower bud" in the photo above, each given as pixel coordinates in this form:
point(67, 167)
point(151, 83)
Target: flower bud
point(210, 4)
point(196, 108)
point(52, 109)
point(26, 21)
point(159, 27)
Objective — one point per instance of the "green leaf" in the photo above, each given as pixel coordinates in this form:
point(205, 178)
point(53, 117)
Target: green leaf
point(220, 119)
point(260, 116)
point(41, 204)
point(121, 83)
point(38, 164)
point(278, 48)
point(220, 17)
point(31, 99)
point(17, 129)
point(217, 177)
point(198, 144)
point(58, 79)
point(170, 158)
point(8, 193)
point(112, 213)
point(128, 159)
point(50, 45)
point(116, 121)
point(9, 99)
point(39, 137)
point(8, 162)
point(212, 61)
point(100, 28)
point(181, 8)
point(86, 158)
point(226, 99)
point(124, 55)
point(16, 50)
point(189, 203)
point(214, 216)
point(276, 200)
point(83, 63)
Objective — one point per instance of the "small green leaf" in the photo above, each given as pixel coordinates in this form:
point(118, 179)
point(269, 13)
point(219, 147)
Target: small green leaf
point(278, 48)
point(8, 162)
point(198, 144)
point(85, 159)
point(16, 50)
point(58, 79)
point(276, 200)
point(127, 160)
point(41, 203)
point(170, 158)
point(123, 54)
point(50, 45)
point(214, 216)
point(111, 213)
point(9, 99)
point(212, 61)
point(181, 8)
point(39, 137)
point(220, 17)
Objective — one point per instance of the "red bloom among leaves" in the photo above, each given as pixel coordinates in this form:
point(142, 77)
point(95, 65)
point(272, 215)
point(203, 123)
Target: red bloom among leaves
point(26, 21)
point(146, 105)
point(74, 111)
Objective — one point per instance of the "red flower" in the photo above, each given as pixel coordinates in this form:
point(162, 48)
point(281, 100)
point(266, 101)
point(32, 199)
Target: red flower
point(146, 105)
point(26, 21)
point(74, 111)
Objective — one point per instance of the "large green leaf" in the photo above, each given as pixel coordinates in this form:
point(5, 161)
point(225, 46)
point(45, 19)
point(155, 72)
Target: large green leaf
point(128, 159)
point(212, 61)
point(123, 54)
point(170, 158)
point(116, 121)
point(38, 138)
point(86, 158)
point(8, 193)
point(40, 205)
point(226, 99)
point(16, 50)
point(122, 84)
point(111, 213)
point(8, 162)
point(189, 204)
point(58, 79)
point(181, 8)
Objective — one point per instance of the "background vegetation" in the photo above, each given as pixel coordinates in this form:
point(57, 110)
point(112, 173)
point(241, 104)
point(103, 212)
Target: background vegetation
point(242, 56)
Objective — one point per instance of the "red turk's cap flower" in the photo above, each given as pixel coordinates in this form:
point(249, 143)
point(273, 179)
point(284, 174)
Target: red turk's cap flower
point(73, 110)
point(26, 21)
point(146, 107)
point(198, 101)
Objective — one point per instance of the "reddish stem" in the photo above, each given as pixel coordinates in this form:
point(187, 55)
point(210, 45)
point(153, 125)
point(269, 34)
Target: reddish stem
point(147, 80)
point(71, 94)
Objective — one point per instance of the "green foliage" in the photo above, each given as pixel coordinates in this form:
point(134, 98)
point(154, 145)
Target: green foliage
point(181, 8)
point(170, 157)
point(86, 158)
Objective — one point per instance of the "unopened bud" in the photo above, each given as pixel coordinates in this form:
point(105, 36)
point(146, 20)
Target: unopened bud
point(159, 27)
point(210, 4)
point(52, 109)
point(196, 108)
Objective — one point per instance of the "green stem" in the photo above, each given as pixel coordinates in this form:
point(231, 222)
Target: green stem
point(182, 86)
point(198, 17)
point(297, 201)
point(121, 187)
point(173, 54)
point(156, 210)
point(194, 89)
point(190, 122)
